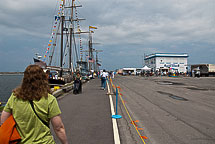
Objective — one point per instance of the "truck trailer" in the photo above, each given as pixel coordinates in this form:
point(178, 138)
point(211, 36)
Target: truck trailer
point(203, 70)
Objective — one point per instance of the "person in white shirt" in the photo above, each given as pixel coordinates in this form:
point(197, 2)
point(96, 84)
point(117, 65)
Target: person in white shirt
point(113, 73)
point(100, 76)
point(104, 77)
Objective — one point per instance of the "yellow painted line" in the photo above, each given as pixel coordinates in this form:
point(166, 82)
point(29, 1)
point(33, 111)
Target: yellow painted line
point(130, 116)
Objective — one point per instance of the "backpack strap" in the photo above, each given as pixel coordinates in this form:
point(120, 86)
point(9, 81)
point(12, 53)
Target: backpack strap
point(32, 105)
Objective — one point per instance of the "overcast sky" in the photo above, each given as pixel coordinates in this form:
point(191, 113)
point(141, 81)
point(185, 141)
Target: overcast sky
point(126, 30)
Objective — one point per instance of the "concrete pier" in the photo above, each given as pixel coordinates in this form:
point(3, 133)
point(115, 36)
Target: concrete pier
point(154, 110)
point(87, 116)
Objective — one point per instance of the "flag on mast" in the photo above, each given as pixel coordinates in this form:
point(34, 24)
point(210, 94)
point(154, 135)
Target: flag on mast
point(91, 60)
point(92, 27)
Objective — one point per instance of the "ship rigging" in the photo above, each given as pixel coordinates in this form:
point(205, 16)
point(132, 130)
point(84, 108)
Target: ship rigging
point(62, 53)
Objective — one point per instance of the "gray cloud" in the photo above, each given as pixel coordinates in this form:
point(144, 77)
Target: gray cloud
point(26, 17)
point(125, 27)
point(162, 21)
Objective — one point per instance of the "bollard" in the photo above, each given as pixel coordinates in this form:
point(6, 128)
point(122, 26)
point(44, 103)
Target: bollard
point(116, 116)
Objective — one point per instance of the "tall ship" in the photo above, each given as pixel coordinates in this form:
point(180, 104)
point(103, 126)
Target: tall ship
point(64, 54)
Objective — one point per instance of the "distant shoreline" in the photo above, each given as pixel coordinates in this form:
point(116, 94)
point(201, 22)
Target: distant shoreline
point(11, 73)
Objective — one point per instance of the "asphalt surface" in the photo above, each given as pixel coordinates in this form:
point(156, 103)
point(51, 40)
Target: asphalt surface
point(169, 110)
point(87, 116)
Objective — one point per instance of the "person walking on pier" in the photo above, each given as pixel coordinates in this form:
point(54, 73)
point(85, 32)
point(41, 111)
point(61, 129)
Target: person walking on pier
point(33, 108)
point(104, 77)
point(77, 84)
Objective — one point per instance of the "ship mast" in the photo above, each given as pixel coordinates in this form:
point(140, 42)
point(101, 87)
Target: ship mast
point(90, 50)
point(91, 47)
point(71, 35)
point(67, 24)
point(61, 49)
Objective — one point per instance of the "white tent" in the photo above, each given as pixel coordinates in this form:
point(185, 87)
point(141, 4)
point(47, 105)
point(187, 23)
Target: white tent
point(145, 68)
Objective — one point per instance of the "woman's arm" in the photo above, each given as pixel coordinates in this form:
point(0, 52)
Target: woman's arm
point(4, 116)
point(59, 129)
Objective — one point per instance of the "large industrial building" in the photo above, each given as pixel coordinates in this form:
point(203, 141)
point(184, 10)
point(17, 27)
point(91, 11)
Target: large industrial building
point(166, 62)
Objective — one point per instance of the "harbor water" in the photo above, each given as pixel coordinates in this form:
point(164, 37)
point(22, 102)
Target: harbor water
point(7, 84)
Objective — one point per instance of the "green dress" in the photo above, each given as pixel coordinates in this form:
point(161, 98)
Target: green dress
point(30, 128)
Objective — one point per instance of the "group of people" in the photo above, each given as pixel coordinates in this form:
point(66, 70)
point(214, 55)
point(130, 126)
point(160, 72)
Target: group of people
point(103, 75)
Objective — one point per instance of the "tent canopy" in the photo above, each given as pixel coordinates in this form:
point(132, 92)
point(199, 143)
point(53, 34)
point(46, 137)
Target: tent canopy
point(146, 68)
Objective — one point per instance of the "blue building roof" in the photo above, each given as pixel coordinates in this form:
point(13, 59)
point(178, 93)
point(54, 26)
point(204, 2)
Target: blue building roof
point(181, 55)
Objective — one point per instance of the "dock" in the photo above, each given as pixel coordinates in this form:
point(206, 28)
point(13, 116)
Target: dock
point(87, 116)
point(154, 110)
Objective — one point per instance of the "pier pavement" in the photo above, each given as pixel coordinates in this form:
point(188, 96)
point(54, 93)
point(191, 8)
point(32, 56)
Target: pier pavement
point(167, 110)
point(154, 110)
point(87, 116)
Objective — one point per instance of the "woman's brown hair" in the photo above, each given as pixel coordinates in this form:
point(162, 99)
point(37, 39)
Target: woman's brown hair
point(34, 84)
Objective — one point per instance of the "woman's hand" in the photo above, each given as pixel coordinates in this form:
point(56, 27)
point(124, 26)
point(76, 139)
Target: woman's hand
point(4, 116)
